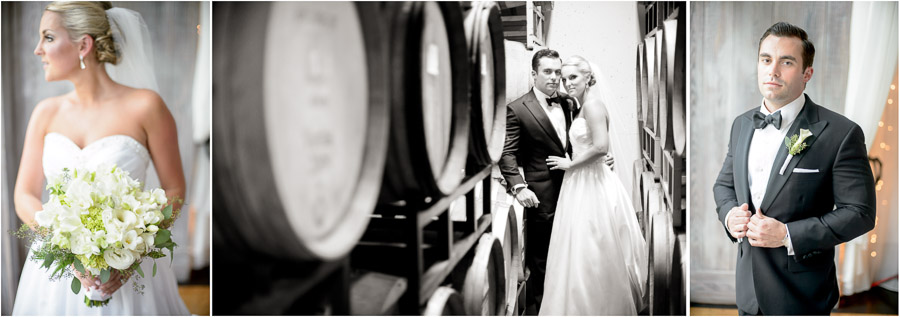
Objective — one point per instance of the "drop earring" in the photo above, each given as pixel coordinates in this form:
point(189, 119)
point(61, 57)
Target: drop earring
point(81, 58)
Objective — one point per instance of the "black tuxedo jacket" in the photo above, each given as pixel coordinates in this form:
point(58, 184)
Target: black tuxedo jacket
point(530, 139)
point(821, 210)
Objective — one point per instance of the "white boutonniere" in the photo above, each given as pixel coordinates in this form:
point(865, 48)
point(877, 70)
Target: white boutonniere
point(795, 145)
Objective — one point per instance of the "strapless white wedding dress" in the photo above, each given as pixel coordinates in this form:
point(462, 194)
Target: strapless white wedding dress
point(596, 260)
point(37, 295)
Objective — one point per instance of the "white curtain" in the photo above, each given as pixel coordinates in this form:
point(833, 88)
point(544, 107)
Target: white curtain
point(873, 64)
point(873, 58)
point(201, 201)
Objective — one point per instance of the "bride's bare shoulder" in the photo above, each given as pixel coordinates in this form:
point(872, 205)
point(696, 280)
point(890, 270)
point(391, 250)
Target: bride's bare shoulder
point(595, 108)
point(47, 108)
point(144, 101)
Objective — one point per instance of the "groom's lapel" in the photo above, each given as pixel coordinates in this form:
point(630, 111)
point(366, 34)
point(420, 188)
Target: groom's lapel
point(742, 181)
point(543, 120)
point(807, 119)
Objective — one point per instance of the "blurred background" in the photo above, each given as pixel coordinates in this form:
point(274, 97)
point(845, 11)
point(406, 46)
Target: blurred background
point(855, 74)
point(180, 33)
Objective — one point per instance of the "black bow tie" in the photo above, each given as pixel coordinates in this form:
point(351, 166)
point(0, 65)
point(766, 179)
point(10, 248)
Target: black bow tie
point(556, 100)
point(760, 120)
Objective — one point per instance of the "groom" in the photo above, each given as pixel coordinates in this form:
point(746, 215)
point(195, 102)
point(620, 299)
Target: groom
point(788, 208)
point(537, 126)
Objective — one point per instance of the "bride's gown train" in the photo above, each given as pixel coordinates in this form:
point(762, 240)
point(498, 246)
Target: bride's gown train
point(37, 295)
point(596, 260)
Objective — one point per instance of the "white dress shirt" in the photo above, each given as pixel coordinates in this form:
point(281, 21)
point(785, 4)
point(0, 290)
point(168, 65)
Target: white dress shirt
point(764, 147)
point(556, 114)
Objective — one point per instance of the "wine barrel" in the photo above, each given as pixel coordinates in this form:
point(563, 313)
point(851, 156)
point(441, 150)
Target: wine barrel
point(673, 124)
point(662, 244)
point(518, 264)
point(641, 85)
point(652, 79)
point(679, 276)
point(487, 58)
point(444, 302)
point(299, 158)
point(661, 86)
point(636, 192)
point(651, 191)
point(484, 288)
point(429, 81)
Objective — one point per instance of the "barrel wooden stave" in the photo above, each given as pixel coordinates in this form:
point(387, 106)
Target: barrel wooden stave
point(636, 201)
point(487, 267)
point(445, 302)
point(676, 53)
point(662, 246)
point(652, 82)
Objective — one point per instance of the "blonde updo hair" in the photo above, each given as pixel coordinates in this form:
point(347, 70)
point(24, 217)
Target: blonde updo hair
point(584, 67)
point(88, 18)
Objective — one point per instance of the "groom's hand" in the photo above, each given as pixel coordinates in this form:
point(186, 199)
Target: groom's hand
point(527, 198)
point(738, 220)
point(766, 232)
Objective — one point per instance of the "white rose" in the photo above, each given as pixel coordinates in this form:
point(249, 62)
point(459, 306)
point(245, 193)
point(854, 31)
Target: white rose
point(118, 258)
point(153, 228)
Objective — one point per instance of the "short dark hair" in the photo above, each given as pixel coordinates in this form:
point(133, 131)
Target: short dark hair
point(783, 29)
point(536, 60)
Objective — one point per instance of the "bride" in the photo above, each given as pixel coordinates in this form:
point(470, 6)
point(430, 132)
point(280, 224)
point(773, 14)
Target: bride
point(596, 259)
point(101, 121)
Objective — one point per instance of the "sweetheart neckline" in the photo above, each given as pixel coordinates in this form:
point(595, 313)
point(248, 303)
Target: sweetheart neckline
point(127, 137)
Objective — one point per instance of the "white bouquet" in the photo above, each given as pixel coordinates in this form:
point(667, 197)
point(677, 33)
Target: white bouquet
point(99, 220)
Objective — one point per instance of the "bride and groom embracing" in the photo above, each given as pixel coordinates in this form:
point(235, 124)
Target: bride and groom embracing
point(584, 247)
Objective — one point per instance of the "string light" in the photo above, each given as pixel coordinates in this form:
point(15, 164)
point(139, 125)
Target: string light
point(893, 87)
point(880, 124)
point(874, 238)
point(874, 253)
point(890, 128)
point(890, 101)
